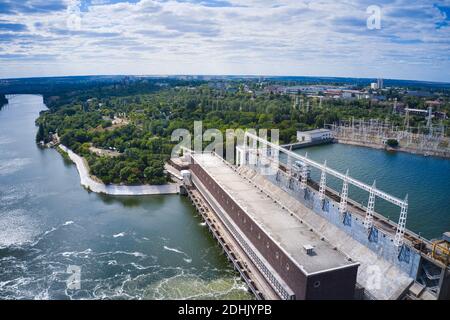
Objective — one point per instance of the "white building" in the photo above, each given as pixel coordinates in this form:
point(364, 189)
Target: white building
point(380, 83)
point(314, 135)
point(377, 85)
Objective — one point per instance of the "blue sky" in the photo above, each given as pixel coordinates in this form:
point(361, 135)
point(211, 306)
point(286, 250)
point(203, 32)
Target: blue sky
point(267, 37)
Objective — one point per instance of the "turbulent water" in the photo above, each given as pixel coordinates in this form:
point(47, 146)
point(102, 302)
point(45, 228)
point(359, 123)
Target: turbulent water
point(152, 247)
point(426, 180)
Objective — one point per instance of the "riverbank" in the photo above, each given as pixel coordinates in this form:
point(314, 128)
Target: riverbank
point(433, 153)
point(94, 185)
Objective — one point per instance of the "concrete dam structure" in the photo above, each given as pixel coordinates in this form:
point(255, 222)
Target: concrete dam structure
point(294, 238)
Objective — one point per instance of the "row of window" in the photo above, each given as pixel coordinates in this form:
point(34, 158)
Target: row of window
point(214, 187)
point(247, 248)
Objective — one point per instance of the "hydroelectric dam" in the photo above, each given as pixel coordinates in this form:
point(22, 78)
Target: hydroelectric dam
point(294, 238)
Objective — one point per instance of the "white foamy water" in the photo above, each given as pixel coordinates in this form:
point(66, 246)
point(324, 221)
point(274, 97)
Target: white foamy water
point(47, 223)
point(174, 250)
point(17, 228)
point(6, 140)
point(51, 230)
point(134, 254)
point(82, 254)
point(187, 258)
point(186, 286)
point(140, 267)
point(138, 254)
point(13, 165)
point(11, 195)
point(119, 235)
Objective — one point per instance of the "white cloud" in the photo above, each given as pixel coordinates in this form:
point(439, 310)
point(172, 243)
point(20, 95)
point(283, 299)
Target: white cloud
point(291, 37)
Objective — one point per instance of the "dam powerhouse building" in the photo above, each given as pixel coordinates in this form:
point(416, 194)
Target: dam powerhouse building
point(294, 238)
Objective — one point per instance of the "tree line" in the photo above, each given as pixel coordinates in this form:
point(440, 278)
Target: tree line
point(3, 101)
point(151, 111)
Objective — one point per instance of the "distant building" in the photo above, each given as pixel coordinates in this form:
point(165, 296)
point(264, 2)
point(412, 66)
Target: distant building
point(420, 94)
point(314, 135)
point(399, 107)
point(308, 90)
point(273, 89)
point(335, 94)
point(377, 85)
point(348, 94)
point(440, 115)
point(380, 83)
point(419, 112)
point(378, 98)
point(433, 103)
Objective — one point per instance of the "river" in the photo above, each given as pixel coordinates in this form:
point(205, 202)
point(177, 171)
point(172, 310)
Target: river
point(150, 247)
point(155, 247)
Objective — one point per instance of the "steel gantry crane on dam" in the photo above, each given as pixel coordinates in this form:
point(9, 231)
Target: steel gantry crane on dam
point(373, 191)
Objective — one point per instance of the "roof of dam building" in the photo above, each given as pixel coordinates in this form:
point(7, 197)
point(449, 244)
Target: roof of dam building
point(314, 131)
point(291, 235)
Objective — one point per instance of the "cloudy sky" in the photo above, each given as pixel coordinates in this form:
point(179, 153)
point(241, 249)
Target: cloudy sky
point(263, 37)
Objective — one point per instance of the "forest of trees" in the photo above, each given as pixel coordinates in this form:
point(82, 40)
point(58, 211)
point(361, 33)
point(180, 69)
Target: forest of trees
point(84, 119)
point(142, 154)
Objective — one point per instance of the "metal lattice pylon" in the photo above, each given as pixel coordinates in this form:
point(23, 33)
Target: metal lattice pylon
point(368, 221)
point(323, 182)
point(401, 226)
point(344, 195)
point(238, 156)
point(304, 178)
point(253, 154)
point(289, 165)
point(244, 154)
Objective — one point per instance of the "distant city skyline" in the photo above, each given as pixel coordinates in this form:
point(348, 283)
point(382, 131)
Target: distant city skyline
point(226, 37)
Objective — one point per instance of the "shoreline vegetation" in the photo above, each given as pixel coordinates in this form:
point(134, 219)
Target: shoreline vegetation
point(64, 154)
point(93, 184)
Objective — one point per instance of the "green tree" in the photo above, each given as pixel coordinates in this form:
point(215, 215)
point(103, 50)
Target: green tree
point(393, 143)
point(40, 136)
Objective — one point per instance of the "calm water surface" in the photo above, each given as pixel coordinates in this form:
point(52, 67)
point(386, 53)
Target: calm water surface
point(152, 247)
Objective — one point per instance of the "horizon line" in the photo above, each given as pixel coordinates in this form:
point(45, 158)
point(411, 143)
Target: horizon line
point(219, 75)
